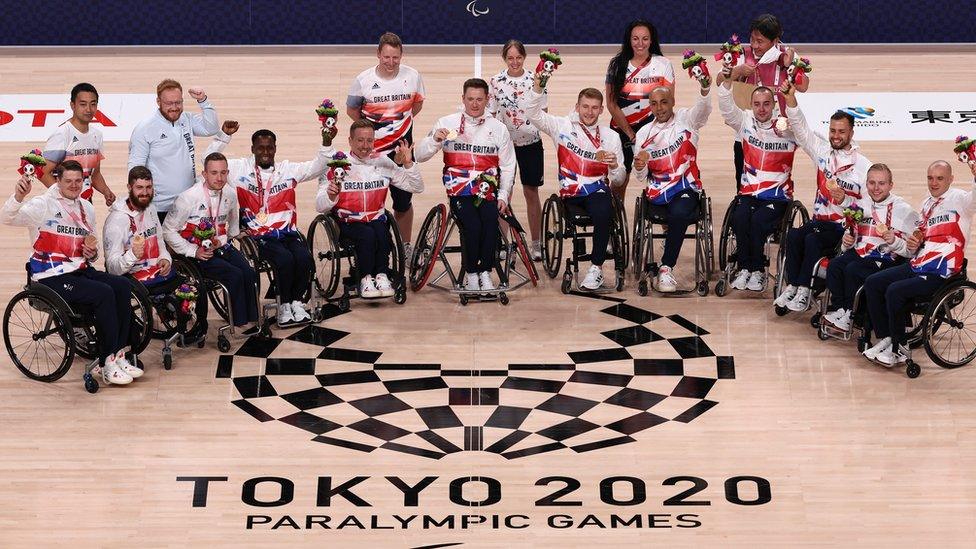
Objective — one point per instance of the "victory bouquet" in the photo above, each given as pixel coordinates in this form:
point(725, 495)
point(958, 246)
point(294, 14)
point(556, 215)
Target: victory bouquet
point(32, 165)
point(796, 71)
point(697, 67)
point(188, 294)
point(730, 52)
point(549, 61)
point(339, 165)
point(965, 149)
point(852, 217)
point(204, 233)
point(487, 184)
point(328, 114)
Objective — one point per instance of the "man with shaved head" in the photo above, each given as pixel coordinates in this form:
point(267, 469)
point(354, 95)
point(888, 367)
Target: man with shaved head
point(666, 162)
point(766, 185)
point(937, 248)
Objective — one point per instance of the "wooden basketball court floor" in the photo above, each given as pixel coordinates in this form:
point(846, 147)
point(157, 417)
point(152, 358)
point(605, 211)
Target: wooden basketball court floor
point(661, 419)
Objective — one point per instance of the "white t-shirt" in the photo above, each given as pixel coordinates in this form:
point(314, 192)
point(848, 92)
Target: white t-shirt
point(388, 104)
point(506, 102)
point(67, 143)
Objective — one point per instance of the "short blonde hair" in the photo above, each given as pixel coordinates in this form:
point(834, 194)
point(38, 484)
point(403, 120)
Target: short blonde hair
point(168, 84)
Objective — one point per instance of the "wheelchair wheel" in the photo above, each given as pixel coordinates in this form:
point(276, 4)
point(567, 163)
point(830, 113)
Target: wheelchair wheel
point(165, 323)
point(141, 329)
point(519, 239)
point(397, 259)
point(726, 243)
point(619, 239)
point(249, 249)
point(796, 218)
point(323, 241)
point(710, 240)
point(428, 246)
point(948, 331)
point(38, 336)
point(86, 344)
point(637, 242)
point(553, 228)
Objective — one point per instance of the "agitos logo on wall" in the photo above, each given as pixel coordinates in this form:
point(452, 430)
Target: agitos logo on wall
point(33, 117)
point(587, 401)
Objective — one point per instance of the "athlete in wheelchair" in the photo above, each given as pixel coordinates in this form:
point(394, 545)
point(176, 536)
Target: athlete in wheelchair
point(132, 238)
point(872, 243)
point(666, 162)
point(479, 172)
point(590, 162)
point(934, 279)
point(199, 227)
point(68, 306)
point(270, 238)
point(763, 209)
point(353, 223)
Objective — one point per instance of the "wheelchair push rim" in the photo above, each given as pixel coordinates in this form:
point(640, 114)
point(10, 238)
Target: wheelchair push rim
point(950, 330)
point(38, 337)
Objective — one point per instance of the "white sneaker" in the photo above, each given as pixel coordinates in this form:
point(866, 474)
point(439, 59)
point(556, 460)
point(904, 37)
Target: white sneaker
point(126, 366)
point(800, 301)
point(841, 319)
point(367, 288)
point(298, 311)
point(890, 357)
point(741, 279)
point(757, 281)
point(785, 296)
point(471, 281)
point(535, 250)
point(594, 278)
point(407, 252)
point(113, 374)
point(383, 285)
point(665, 280)
point(285, 316)
point(878, 348)
point(484, 281)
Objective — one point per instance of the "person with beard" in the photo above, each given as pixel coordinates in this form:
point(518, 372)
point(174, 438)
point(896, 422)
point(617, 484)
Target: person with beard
point(164, 142)
point(61, 227)
point(132, 237)
point(841, 175)
point(638, 69)
point(474, 143)
point(75, 139)
point(356, 200)
point(765, 187)
point(590, 164)
point(203, 220)
point(266, 193)
point(666, 163)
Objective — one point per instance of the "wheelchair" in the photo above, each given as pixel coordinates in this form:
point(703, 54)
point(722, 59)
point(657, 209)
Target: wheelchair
point(269, 311)
point(646, 216)
point(940, 324)
point(219, 295)
point(561, 222)
point(43, 333)
point(166, 325)
point(329, 249)
point(794, 216)
point(434, 243)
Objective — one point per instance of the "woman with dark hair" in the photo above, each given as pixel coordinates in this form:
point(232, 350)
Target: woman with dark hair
point(633, 74)
point(506, 102)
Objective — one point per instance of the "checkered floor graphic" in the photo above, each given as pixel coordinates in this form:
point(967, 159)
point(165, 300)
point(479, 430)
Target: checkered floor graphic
point(585, 400)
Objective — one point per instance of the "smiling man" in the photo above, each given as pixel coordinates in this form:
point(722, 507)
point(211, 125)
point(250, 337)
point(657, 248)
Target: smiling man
point(62, 228)
point(164, 141)
point(265, 190)
point(75, 139)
